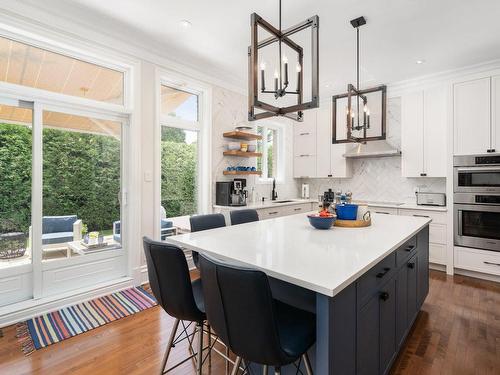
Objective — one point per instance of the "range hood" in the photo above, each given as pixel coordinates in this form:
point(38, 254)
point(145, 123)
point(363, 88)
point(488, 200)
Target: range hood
point(372, 149)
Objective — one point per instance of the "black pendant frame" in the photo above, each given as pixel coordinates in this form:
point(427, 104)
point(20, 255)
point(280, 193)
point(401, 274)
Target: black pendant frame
point(294, 112)
point(362, 94)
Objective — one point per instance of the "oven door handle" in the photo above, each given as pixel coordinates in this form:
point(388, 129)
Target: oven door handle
point(459, 229)
point(478, 169)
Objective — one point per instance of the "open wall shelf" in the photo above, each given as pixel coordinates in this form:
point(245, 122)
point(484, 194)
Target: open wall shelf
point(242, 135)
point(243, 154)
point(234, 173)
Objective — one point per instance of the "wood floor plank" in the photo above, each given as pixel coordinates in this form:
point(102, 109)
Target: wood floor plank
point(457, 332)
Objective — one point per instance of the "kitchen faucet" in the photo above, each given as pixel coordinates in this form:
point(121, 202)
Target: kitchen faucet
point(274, 194)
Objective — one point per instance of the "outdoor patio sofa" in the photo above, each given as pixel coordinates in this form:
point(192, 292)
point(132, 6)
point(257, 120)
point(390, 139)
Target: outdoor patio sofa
point(59, 229)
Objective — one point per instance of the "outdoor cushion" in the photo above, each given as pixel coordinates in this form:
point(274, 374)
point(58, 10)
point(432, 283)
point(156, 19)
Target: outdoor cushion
point(51, 238)
point(166, 223)
point(57, 224)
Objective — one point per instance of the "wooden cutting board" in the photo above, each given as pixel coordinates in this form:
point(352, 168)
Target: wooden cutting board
point(353, 223)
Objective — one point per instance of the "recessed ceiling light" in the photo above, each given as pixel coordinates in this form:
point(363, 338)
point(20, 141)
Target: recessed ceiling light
point(185, 24)
point(420, 62)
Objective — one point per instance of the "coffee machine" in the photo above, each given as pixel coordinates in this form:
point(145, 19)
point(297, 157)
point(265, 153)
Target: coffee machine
point(231, 193)
point(240, 193)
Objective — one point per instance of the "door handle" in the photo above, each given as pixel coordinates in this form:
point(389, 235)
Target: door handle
point(304, 133)
point(410, 248)
point(273, 212)
point(384, 296)
point(423, 174)
point(411, 265)
point(383, 273)
point(297, 209)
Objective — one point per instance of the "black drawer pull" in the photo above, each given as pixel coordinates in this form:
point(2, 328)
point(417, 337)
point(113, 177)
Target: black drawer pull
point(384, 296)
point(411, 265)
point(410, 248)
point(297, 209)
point(423, 174)
point(273, 213)
point(421, 216)
point(383, 273)
point(381, 212)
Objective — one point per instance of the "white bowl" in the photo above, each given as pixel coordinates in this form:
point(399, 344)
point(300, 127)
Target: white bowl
point(233, 146)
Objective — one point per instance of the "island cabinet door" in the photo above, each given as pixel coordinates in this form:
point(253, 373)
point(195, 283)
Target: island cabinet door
point(401, 305)
point(368, 332)
point(412, 272)
point(423, 267)
point(387, 298)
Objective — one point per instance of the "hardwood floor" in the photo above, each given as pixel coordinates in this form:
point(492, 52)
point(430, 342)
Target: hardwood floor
point(458, 332)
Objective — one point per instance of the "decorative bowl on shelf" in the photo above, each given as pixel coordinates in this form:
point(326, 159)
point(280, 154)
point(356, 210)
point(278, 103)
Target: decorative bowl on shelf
point(233, 146)
point(321, 221)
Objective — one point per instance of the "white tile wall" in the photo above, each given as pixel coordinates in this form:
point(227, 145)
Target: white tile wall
point(379, 179)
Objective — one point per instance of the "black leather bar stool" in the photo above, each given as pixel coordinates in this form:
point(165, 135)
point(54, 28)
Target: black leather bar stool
point(257, 328)
point(243, 216)
point(182, 299)
point(205, 222)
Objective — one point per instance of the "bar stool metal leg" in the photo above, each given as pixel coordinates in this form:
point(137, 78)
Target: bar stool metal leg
point(209, 346)
point(264, 370)
point(277, 371)
point(169, 345)
point(307, 364)
point(199, 355)
point(236, 367)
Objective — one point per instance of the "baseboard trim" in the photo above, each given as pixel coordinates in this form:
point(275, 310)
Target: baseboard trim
point(437, 267)
point(21, 311)
point(477, 275)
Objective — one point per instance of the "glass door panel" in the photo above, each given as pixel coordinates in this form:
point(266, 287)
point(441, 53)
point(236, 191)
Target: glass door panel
point(16, 139)
point(81, 185)
point(179, 175)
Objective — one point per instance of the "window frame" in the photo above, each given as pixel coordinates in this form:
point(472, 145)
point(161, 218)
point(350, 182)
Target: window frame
point(280, 155)
point(204, 129)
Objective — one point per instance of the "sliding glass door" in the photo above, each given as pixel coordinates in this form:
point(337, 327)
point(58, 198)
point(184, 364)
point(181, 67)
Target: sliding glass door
point(16, 140)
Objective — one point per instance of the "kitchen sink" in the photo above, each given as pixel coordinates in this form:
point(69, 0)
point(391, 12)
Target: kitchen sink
point(285, 201)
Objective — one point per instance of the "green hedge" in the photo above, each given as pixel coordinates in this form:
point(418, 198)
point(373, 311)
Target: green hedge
point(82, 174)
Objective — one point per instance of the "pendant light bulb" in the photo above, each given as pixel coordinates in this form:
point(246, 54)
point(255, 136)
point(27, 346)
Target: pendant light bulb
point(365, 108)
point(276, 74)
point(263, 65)
point(285, 59)
point(368, 112)
point(299, 68)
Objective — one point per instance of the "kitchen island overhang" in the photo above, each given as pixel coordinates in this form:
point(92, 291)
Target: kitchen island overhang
point(366, 285)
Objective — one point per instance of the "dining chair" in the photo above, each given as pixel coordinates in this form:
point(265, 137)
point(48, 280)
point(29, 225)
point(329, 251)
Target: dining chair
point(257, 328)
point(180, 297)
point(205, 222)
point(243, 216)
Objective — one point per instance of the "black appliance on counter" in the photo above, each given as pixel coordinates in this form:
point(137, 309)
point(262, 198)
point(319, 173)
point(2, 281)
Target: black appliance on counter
point(231, 193)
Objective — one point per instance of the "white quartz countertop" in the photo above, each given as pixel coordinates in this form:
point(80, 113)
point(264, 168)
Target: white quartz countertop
point(289, 249)
point(268, 204)
point(408, 206)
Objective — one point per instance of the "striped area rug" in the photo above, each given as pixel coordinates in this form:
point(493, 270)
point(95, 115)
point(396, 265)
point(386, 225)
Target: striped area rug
point(48, 329)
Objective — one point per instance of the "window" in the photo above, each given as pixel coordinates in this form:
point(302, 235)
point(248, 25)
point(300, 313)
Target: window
point(30, 66)
point(270, 147)
point(16, 132)
point(180, 157)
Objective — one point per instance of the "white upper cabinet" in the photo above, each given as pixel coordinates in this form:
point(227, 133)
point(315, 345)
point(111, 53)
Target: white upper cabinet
point(495, 114)
point(324, 141)
point(304, 146)
point(423, 133)
point(472, 117)
point(412, 134)
point(435, 125)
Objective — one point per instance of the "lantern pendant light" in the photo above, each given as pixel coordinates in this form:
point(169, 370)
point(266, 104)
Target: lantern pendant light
point(280, 87)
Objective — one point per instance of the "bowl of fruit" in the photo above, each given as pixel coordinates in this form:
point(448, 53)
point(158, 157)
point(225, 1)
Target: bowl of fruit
point(323, 220)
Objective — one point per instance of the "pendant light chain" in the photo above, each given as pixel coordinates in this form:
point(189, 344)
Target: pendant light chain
point(281, 68)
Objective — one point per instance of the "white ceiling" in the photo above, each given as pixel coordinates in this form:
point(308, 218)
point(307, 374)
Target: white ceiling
point(447, 34)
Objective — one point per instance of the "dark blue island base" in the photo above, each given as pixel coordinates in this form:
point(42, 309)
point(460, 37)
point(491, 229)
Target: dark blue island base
point(362, 329)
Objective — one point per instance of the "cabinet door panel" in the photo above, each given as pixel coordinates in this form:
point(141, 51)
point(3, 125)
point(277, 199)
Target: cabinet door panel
point(387, 325)
point(495, 114)
point(412, 270)
point(412, 142)
point(471, 108)
point(401, 305)
point(367, 350)
point(435, 107)
point(304, 166)
point(304, 144)
point(324, 141)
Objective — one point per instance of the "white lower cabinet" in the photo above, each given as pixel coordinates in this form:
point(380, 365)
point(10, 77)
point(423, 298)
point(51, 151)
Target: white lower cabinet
point(383, 210)
point(477, 260)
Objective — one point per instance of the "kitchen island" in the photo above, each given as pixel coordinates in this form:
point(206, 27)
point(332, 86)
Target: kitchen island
point(366, 285)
